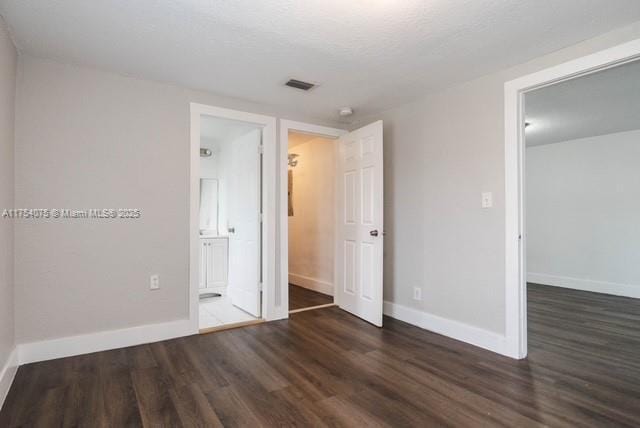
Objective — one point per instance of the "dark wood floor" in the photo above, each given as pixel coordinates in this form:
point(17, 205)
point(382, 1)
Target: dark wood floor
point(300, 297)
point(327, 368)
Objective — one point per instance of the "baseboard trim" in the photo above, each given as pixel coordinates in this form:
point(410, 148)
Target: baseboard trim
point(454, 329)
point(311, 283)
point(7, 375)
point(613, 288)
point(102, 341)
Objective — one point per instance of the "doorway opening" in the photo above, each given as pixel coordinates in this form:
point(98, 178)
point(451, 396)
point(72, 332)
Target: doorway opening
point(229, 218)
point(358, 218)
point(232, 265)
point(311, 211)
point(581, 203)
point(533, 132)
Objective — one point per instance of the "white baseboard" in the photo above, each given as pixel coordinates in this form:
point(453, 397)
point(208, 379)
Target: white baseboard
point(7, 375)
point(456, 330)
point(616, 289)
point(102, 341)
point(311, 283)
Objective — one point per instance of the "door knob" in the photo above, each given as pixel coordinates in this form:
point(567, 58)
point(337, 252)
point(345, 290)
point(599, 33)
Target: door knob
point(373, 233)
point(232, 230)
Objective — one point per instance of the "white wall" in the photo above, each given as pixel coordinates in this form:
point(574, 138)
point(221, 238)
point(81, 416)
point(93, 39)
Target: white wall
point(312, 227)
point(441, 153)
point(8, 61)
point(85, 139)
point(583, 207)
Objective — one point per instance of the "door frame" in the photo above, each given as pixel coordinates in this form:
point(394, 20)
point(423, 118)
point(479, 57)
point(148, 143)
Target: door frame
point(515, 239)
point(306, 128)
point(269, 221)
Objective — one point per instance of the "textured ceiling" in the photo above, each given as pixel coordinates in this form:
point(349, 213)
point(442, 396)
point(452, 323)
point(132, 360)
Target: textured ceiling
point(597, 104)
point(368, 54)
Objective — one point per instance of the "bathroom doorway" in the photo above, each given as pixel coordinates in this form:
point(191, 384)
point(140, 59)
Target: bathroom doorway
point(230, 212)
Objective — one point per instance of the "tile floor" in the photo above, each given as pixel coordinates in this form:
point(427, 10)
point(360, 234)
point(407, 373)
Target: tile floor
point(218, 311)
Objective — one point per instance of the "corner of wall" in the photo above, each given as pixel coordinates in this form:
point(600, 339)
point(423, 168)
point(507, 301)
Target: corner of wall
point(8, 350)
point(7, 374)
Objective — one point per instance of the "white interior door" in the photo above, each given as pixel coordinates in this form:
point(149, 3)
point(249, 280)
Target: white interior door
point(244, 223)
point(360, 223)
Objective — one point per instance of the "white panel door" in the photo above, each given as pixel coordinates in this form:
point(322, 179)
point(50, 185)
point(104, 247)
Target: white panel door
point(244, 223)
point(359, 252)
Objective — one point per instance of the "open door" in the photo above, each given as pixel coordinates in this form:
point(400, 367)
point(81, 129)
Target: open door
point(244, 223)
point(359, 230)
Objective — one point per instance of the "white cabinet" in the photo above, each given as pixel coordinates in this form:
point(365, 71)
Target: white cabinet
point(213, 262)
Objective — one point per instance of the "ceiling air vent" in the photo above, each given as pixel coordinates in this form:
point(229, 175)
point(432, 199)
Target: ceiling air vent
point(299, 84)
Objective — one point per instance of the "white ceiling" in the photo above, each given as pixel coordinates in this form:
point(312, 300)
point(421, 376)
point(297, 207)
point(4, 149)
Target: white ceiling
point(597, 104)
point(368, 54)
point(215, 131)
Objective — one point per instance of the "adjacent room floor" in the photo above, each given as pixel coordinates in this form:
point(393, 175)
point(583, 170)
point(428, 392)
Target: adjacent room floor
point(300, 298)
point(218, 311)
point(328, 368)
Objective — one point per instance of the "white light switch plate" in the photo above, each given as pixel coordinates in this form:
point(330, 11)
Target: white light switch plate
point(487, 199)
point(154, 282)
point(417, 293)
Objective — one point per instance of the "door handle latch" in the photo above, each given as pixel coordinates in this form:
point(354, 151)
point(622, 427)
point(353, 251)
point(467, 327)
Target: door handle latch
point(373, 233)
point(231, 229)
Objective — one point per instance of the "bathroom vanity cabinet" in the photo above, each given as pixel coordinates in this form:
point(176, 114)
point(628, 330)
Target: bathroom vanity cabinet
point(214, 260)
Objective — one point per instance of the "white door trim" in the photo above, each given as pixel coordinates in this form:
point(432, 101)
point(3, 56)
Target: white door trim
point(270, 309)
point(285, 127)
point(515, 245)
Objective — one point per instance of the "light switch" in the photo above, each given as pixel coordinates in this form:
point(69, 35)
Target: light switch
point(154, 282)
point(487, 199)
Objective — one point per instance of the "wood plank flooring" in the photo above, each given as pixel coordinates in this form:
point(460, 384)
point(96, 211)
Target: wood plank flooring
point(300, 297)
point(328, 368)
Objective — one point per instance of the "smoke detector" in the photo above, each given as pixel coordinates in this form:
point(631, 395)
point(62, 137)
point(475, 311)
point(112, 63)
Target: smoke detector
point(345, 111)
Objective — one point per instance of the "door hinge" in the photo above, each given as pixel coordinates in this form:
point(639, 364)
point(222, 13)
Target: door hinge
point(261, 217)
point(260, 149)
point(260, 286)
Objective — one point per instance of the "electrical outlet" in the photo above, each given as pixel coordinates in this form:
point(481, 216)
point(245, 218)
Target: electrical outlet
point(154, 282)
point(417, 293)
